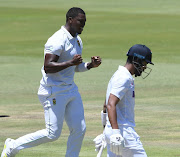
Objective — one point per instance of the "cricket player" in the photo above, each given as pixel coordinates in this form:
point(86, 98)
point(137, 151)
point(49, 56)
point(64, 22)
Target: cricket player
point(121, 138)
point(58, 93)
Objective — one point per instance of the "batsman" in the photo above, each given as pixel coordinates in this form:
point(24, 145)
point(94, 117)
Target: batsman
point(118, 110)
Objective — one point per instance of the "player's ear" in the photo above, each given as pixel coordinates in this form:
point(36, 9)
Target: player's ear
point(70, 19)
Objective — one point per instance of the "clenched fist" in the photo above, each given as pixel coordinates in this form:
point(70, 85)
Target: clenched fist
point(77, 59)
point(95, 61)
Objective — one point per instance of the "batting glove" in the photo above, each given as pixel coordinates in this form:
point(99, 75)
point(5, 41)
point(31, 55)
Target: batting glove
point(100, 142)
point(116, 142)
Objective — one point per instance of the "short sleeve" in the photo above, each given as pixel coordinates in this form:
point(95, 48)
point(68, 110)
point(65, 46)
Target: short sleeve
point(54, 47)
point(120, 87)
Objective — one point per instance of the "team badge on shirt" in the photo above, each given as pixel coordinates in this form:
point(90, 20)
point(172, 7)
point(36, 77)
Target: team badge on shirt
point(78, 42)
point(54, 101)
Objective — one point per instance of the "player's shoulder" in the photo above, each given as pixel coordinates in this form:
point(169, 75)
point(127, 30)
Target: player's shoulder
point(122, 76)
point(124, 72)
point(57, 38)
point(59, 35)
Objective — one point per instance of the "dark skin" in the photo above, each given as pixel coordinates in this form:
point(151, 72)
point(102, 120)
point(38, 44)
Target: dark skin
point(52, 66)
point(74, 26)
point(113, 100)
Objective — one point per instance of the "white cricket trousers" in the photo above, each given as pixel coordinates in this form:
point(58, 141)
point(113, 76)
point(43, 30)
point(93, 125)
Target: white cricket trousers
point(132, 144)
point(57, 108)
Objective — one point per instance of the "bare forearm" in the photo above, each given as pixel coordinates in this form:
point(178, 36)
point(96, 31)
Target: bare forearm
point(54, 67)
point(111, 108)
point(112, 116)
point(51, 64)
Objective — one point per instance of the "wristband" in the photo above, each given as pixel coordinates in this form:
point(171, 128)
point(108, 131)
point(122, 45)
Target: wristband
point(89, 66)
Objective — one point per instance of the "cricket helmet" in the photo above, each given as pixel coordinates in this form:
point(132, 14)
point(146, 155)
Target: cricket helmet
point(142, 52)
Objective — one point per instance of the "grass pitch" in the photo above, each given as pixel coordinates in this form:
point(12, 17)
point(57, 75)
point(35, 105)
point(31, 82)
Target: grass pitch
point(112, 28)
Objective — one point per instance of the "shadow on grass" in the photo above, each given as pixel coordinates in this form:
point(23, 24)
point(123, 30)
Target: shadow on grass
point(3, 116)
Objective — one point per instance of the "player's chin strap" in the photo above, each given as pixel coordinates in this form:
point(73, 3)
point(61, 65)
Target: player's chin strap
point(140, 72)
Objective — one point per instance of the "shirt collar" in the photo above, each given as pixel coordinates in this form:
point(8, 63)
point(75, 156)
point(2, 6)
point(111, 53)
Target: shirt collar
point(70, 37)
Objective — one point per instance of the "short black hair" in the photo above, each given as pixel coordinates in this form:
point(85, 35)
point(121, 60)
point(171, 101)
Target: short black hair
point(73, 12)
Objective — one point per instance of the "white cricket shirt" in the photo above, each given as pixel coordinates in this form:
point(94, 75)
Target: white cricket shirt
point(64, 45)
point(121, 85)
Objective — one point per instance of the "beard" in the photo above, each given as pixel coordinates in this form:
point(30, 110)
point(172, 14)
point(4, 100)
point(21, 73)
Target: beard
point(138, 70)
point(137, 73)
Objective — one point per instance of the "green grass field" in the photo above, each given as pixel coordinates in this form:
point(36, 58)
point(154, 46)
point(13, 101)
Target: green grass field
point(112, 27)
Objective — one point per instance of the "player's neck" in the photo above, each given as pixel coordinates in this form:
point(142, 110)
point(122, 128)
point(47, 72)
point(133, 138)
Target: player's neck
point(68, 28)
point(130, 68)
